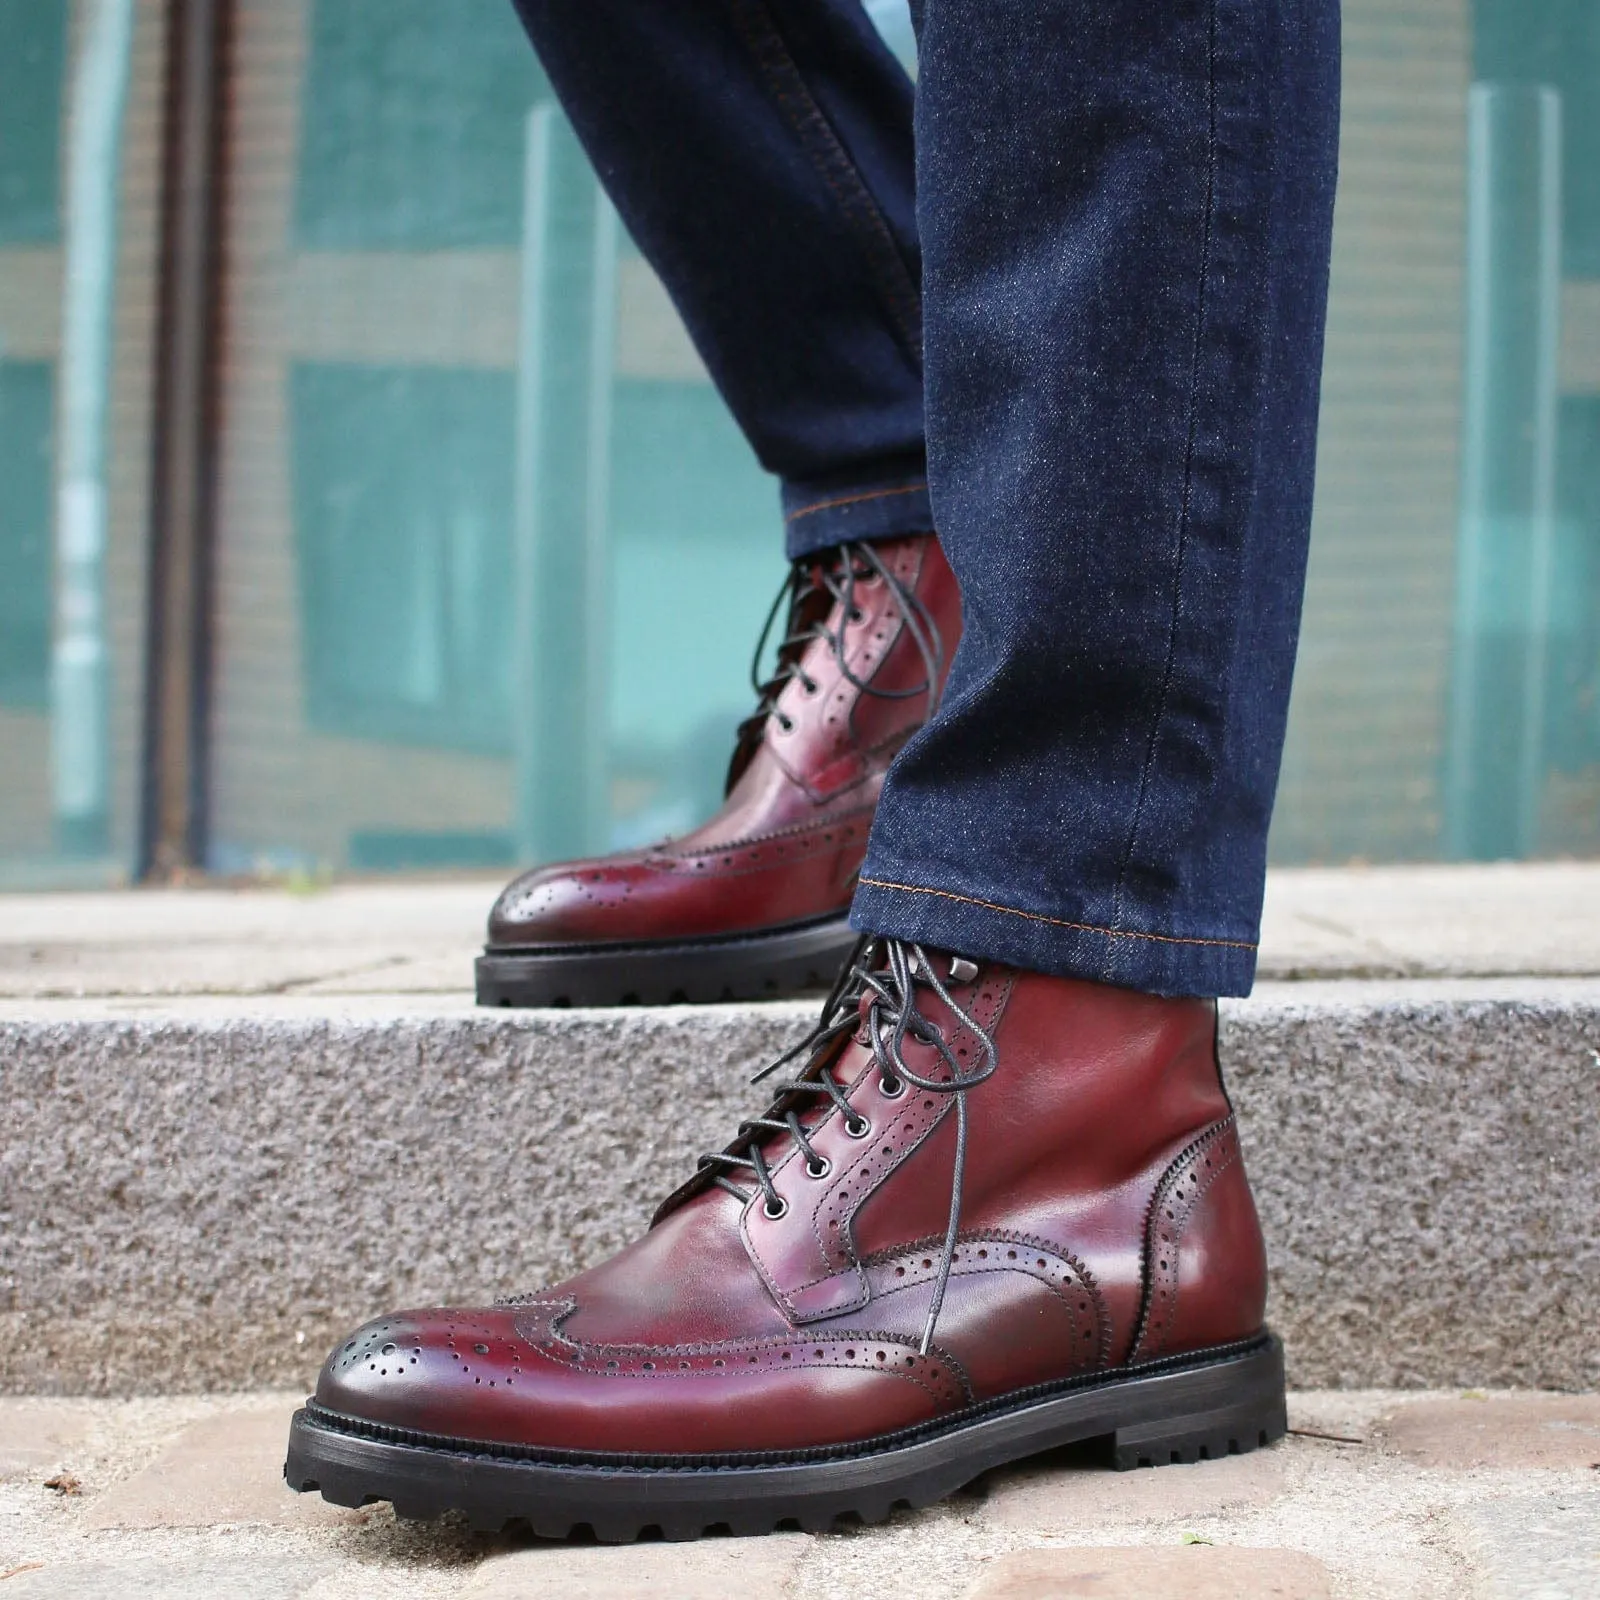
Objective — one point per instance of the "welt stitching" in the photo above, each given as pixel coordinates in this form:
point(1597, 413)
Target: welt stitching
point(1187, 505)
point(834, 165)
point(853, 500)
point(1057, 922)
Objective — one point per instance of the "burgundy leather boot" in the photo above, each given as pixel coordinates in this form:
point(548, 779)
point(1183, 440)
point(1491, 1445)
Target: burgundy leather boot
point(995, 1213)
point(756, 902)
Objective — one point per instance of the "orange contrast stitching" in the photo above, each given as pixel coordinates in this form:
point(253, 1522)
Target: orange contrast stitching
point(852, 500)
point(1057, 922)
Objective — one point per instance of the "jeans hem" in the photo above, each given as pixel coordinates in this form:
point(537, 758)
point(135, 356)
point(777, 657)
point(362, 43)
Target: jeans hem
point(1155, 963)
point(817, 516)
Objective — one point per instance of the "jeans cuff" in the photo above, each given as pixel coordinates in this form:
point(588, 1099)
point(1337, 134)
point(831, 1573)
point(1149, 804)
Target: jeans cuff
point(1156, 963)
point(817, 516)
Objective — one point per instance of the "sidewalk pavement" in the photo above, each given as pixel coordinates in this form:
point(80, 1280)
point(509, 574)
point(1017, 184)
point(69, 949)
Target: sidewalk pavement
point(1398, 1496)
point(1514, 920)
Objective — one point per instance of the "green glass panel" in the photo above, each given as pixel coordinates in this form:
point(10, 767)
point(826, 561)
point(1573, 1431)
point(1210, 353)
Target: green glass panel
point(1554, 42)
point(32, 58)
point(26, 405)
point(696, 557)
point(402, 504)
point(412, 127)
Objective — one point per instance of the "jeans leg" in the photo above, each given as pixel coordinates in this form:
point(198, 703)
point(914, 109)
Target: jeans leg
point(1125, 214)
point(760, 153)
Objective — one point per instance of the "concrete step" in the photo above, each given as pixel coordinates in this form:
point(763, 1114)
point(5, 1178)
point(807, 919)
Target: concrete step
point(202, 1192)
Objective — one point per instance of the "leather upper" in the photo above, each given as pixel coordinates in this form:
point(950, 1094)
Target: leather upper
point(1105, 1219)
point(789, 840)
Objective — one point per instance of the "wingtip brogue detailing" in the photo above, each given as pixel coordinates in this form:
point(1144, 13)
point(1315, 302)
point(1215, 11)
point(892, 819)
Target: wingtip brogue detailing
point(971, 1171)
point(755, 901)
point(1185, 1183)
point(1066, 1277)
point(891, 1355)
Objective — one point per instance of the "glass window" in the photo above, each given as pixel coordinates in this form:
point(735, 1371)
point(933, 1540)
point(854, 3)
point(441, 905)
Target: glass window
point(79, 155)
point(464, 568)
point(478, 500)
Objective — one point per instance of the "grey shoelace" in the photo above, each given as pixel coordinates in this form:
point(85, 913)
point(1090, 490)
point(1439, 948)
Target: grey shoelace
point(855, 563)
point(892, 1016)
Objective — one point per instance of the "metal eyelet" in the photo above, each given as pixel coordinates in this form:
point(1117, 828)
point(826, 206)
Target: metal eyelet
point(819, 1167)
point(894, 1093)
point(857, 1127)
point(771, 1214)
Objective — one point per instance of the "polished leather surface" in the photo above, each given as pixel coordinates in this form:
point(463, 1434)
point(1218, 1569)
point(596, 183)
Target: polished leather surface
point(789, 840)
point(1105, 1218)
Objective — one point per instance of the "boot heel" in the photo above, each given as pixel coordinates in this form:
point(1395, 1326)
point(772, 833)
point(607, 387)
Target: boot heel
point(1201, 1436)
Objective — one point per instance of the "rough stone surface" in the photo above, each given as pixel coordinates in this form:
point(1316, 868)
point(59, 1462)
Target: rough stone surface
point(1423, 1158)
point(1197, 1572)
point(1538, 1546)
point(1049, 1497)
point(1531, 1430)
point(764, 1569)
point(223, 1469)
point(205, 1194)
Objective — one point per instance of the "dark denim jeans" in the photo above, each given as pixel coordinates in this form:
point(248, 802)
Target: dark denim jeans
point(1084, 343)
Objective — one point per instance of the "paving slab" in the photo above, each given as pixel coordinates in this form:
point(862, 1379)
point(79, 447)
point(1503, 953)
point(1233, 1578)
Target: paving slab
point(1382, 1527)
point(1050, 1498)
point(196, 1577)
point(1197, 1572)
point(1556, 1431)
point(711, 1570)
point(37, 1435)
point(224, 1470)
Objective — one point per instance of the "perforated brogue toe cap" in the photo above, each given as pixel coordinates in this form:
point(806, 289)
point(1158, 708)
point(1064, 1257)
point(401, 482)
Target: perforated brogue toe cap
point(427, 1370)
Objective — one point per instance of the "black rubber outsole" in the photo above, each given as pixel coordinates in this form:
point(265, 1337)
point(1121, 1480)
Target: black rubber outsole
point(753, 966)
point(1221, 1403)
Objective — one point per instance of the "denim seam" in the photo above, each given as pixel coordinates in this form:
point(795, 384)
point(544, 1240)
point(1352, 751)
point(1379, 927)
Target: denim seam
point(1187, 505)
point(753, 19)
point(1057, 922)
point(853, 500)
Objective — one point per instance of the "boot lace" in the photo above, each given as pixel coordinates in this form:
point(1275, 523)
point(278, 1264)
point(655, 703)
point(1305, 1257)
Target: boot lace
point(855, 563)
point(888, 971)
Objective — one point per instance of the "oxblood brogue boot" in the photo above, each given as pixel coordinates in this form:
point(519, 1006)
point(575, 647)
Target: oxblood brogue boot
point(756, 902)
point(995, 1213)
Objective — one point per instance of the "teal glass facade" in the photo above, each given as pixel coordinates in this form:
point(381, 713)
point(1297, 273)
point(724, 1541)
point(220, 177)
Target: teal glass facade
point(478, 503)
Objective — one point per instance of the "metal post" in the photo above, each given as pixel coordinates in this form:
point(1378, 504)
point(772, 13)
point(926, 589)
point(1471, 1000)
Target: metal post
point(79, 734)
point(562, 609)
point(1494, 775)
point(183, 456)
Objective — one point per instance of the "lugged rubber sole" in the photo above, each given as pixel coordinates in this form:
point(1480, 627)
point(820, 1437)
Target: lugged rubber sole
point(1217, 1403)
point(749, 966)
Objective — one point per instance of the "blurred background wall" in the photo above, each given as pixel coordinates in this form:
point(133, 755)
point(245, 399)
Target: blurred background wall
point(475, 520)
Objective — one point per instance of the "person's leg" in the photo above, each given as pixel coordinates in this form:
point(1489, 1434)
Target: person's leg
point(760, 154)
point(997, 1210)
point(1125, 213)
